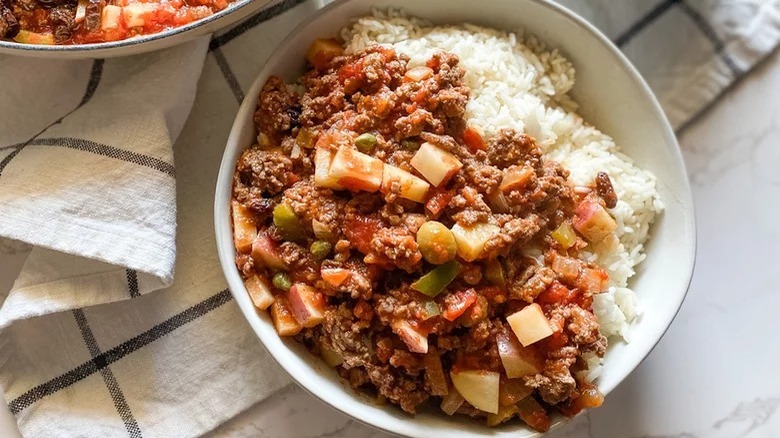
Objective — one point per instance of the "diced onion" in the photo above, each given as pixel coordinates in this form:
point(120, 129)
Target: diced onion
point(320, 230)
point(331, 357)
point(81, 11)
point(568, 267)
point(498, 202)
point(451, 402)
point(295, 153)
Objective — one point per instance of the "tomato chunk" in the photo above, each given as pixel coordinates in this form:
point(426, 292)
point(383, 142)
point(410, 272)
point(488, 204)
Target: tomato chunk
point(322, 51)
point(436, 203)
point(457, 303)
point(474, 140)
point(555, 294)
point(360, 230)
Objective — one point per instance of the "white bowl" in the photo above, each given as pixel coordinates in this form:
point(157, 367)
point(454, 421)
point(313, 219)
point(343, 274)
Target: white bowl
point(237, 11)
point(613, 97)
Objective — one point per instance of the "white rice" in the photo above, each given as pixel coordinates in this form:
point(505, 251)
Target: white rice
point(517, 82)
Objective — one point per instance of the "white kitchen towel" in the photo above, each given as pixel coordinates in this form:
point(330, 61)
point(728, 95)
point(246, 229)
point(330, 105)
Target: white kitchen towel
point(174, 363)
point(87, 176)
point(57, 165)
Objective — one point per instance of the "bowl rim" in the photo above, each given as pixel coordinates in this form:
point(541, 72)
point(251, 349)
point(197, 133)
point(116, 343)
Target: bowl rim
point(12, 46)
point(225, 243)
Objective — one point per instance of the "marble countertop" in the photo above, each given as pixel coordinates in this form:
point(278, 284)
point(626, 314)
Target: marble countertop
point(715, 372)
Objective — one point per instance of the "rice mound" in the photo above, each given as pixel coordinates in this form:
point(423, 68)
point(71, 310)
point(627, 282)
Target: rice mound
point(517, 82)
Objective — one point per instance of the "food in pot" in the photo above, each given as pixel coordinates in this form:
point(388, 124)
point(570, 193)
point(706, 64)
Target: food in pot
point(97, 21)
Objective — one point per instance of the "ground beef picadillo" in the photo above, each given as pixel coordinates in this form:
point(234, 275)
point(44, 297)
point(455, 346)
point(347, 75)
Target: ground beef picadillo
point(65, 22)
point(426, 264)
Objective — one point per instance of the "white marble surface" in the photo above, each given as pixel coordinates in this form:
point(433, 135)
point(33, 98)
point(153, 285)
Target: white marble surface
point(715, 373)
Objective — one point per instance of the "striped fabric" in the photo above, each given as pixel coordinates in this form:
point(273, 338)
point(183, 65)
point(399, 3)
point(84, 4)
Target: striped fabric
point(107, 170)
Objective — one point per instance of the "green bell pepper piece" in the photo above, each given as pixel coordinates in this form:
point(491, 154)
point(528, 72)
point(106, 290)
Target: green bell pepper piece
point(435, 281)
point(494, 273)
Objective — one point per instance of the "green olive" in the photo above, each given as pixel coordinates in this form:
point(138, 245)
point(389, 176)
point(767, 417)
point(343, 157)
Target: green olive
point(436, 242)
point(365, 142)
point(410, 145)
point(320, 250)
point(282, 281)
point(288, 222)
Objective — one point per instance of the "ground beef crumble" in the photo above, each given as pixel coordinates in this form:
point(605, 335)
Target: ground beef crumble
point(361, 250)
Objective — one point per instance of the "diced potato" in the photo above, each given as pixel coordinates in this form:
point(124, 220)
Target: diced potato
point(516, 177)
point(265, 252)
point(322, 159)
point(244, 229)
point(283, 318)
point(259, 292)
point(135, 13)
point(435, 164)
point(593, 221)
point(415, 340)
point(322, 51)
point(530, 325)
point(307, 303)
point(412, 187)
point(27, 37)
point(479, 388)
point(517, 361)
point(504, 414)
point(110, 17)
point(355, 170)
point(471, 241)
point(417, 74)
point(331, 357)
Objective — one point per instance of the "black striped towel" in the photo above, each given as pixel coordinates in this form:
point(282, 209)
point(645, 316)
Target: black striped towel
point(87, 153)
